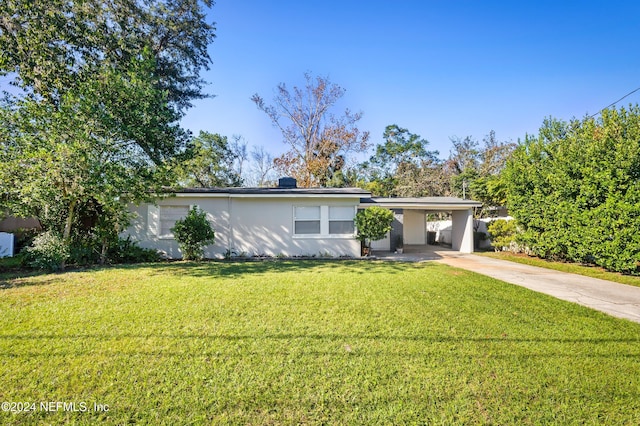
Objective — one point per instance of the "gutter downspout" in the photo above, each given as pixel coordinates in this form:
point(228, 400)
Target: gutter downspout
point(229, 209)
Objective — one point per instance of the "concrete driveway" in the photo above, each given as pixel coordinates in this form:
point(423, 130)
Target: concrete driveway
point(618, 300)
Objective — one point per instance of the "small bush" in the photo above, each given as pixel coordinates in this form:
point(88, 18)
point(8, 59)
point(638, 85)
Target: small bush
point(88, 250)
point(128, 251)
point(84, 251)
point(48, 251)
point(193, 233)
point(12, 263)
point(24, 238)
point(373, 223)
point(503, 234)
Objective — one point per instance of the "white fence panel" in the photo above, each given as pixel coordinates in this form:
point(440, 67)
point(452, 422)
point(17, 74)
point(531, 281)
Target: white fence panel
point(6, 244)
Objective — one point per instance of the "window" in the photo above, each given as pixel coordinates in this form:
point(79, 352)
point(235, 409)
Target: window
point(307, 220)
point(168, 217)
point(323, 221)
point(341, 220)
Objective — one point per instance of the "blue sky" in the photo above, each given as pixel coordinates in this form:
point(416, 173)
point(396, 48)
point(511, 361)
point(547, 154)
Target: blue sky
point(438, 68)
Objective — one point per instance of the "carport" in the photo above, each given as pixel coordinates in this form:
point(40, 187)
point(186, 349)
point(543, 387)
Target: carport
point(410, 221)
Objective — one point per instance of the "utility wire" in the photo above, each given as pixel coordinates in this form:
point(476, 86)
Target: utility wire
point(612, 104)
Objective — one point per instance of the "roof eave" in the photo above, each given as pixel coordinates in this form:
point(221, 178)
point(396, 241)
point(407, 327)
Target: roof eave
point(420, 203)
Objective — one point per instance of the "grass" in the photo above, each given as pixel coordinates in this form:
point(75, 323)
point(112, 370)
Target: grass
point(574, 268)
point(312, 342)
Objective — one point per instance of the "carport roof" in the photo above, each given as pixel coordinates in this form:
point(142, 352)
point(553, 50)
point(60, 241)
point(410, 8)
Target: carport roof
point(421, 203)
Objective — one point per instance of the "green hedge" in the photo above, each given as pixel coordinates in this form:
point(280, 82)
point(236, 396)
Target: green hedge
point(575, 190)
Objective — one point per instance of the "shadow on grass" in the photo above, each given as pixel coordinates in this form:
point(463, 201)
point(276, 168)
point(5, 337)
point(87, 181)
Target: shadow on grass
point(39, 277)
point(358, 345)
point(317, 337)
point(213, 268)
point(22, 279)
point(239, 268)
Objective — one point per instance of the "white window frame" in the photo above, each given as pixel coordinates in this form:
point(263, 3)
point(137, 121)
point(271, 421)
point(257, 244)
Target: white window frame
point(324, 223)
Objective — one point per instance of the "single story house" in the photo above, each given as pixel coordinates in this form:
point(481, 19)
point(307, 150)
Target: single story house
point(289, 221)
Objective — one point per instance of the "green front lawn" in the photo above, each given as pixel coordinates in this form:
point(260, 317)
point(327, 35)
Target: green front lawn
point(309, 342)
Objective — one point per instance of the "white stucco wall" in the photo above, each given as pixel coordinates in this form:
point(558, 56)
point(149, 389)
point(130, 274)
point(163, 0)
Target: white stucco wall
point(462, 231)
point(414, 227)
point(266, 227)
point(144, 228)
point(442, 228)
point(383, 244)
point(253, 225)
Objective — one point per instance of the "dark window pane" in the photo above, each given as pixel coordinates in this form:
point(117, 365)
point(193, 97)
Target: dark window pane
point(341, 227)
point(307, 227)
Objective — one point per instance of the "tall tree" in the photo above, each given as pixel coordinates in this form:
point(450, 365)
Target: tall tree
point(262, 167)
point(489, 187)
point(402, 165)
point(102, 86)
point(57, 157)
point(49, 47)
point(318, 140)
point(238, 147)
point(401, 148)
point(463, 165)
point(211, 164)
point(474, 169)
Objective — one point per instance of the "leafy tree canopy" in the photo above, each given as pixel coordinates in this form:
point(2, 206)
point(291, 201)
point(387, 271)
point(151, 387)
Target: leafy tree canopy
point(101, 87)
point(396, 166)
point(50, 47)
point(575, 190)
point(401, 148)
point(475, 168)
point(211, 163)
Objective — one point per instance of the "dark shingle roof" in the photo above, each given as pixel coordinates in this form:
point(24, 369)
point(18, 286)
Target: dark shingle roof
point(273, 191)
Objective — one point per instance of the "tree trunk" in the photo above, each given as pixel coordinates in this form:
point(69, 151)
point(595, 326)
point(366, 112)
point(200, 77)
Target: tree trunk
point(103, 251)
point(66, 234)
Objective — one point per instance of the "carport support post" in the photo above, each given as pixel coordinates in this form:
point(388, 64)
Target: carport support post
point(462, 230)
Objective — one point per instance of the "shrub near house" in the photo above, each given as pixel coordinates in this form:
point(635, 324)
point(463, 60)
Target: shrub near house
point(373, 224)
point(503, 234)
point(193, 233)
point(575, 190)
point(48, 252)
